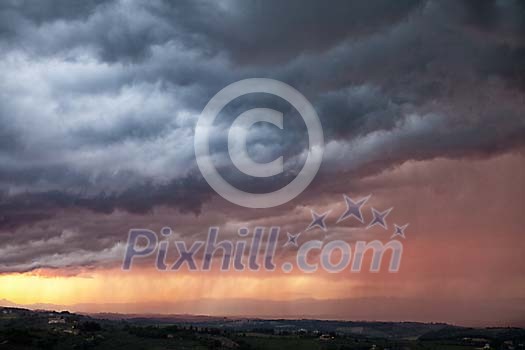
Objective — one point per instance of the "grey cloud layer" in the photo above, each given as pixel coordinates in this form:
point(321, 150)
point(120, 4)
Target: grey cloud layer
point(99, 99)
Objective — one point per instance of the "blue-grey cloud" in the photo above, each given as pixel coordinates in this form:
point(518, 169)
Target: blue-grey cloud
point(99, 100)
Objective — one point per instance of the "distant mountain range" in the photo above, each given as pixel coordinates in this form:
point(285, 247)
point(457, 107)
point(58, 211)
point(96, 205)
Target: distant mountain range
point(466, 313)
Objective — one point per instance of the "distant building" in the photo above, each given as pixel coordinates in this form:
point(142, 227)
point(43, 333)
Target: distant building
point(71, 331)
point(57, 320)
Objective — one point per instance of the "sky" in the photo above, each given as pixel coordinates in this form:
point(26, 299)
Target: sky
point(422, 105)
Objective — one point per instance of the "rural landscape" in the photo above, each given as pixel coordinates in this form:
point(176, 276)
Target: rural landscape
point(25, 329)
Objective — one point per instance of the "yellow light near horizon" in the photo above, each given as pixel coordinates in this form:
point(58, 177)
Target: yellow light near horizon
point(29, 289)
point(151, 286)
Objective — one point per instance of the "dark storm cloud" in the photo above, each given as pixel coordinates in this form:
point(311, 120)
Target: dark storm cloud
point(246, 30)
point(488, 15)
point(275, 31)
point(44, 11)
point(14, 14)
point(99, 99)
